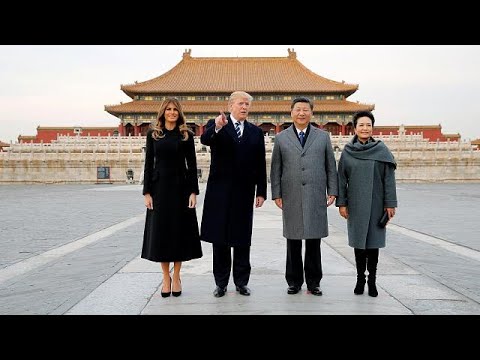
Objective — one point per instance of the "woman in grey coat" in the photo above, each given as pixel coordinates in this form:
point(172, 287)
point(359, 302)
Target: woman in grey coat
point(366, 181)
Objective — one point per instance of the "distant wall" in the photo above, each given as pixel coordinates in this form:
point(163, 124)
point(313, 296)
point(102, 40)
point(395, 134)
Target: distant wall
point(77, 160)
point(78, 171)
point(66, 171)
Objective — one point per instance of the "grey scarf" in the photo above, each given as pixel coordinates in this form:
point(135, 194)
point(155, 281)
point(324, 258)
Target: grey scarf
point(372, 150)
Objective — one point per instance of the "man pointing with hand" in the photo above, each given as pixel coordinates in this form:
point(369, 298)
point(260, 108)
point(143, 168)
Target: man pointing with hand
point(237, 181)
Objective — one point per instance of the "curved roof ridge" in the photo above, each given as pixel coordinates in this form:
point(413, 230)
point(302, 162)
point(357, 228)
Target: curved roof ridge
point(253, 74)
point(324, 78)
point(153, 79)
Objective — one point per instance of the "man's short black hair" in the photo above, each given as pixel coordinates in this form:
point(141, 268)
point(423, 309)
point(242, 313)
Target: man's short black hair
point(360, 114)
point(302, 99)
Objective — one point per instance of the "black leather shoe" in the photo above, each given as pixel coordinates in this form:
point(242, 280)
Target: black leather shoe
point(293, 290)
point(243, 290)
point(315, 291)
point(219, 291)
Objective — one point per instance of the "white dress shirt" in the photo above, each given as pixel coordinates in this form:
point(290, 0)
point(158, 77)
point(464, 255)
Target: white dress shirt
point(242, 125)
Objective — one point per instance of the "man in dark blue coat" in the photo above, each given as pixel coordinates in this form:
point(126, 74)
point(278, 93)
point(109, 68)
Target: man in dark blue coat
point(237, 182)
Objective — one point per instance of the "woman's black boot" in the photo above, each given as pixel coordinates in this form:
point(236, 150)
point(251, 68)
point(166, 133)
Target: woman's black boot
point(361, 263)
point(372, 261)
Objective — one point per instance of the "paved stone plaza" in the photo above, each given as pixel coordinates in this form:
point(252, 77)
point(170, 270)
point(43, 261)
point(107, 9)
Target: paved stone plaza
point(74, 249)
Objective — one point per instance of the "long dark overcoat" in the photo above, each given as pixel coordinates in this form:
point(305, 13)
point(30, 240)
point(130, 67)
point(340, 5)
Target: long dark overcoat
point(237, 171)
point(170, 176)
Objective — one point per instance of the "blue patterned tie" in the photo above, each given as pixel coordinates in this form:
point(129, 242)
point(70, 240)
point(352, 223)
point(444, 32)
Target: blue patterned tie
point(301, 134)
point(237, 129)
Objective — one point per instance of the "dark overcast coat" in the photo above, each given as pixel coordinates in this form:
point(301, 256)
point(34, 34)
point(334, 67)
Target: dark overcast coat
point(237, 175)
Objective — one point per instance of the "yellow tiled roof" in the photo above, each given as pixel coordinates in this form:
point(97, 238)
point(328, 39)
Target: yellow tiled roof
point(205, 107)
point(84, 128)
point(452, 135)
point(222, 75)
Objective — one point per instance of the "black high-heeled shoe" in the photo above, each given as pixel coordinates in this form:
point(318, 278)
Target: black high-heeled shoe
point(177, 293)
point(166, 294)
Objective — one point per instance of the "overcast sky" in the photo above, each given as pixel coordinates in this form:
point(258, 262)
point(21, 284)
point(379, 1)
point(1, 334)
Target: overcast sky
point(68, 85)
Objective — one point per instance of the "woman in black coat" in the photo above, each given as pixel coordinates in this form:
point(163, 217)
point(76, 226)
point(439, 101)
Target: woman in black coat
point(170, 189)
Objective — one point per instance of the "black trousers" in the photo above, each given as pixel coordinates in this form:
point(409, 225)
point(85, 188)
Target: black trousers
point(222, 263)
point(313, 263)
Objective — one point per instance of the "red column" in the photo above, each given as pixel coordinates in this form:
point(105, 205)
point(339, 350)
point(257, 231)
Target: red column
point(277, 129)
point(201, 129)
point(343, 129)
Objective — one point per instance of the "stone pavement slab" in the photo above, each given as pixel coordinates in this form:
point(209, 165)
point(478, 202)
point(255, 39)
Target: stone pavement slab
point(419, 272)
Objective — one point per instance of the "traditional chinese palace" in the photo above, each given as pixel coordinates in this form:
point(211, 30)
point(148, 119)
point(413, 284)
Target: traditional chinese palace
point(115, 154)
point(203, 85)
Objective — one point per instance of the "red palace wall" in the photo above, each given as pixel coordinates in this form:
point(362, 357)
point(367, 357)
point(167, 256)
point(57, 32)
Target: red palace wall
point(428, 133)
point(46, 135)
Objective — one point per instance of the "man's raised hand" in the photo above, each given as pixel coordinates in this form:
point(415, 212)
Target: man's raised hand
point(220, 121)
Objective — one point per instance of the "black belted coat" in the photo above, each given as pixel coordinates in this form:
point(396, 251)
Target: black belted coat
point(170, 176)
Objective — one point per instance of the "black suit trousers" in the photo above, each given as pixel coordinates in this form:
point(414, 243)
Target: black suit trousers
point(222, 263)
point(294, 272)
